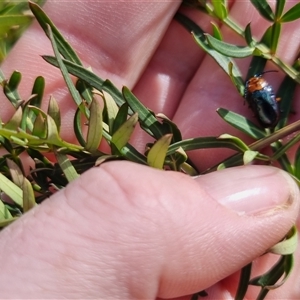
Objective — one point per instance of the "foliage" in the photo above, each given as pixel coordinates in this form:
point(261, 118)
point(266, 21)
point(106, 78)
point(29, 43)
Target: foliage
point(15, 17)
point(111, 116)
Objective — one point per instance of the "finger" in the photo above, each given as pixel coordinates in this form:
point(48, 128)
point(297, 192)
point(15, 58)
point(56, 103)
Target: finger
point(124, 229)
point(116, 40)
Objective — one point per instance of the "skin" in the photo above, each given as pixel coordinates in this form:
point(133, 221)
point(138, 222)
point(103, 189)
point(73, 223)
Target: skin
point(127, 231)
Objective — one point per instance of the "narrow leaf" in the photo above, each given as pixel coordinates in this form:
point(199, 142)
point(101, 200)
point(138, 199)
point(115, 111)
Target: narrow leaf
point(4, 213)
point(204, 143)
point(10, 88)
point(11, 189)
point(94, 134)
point(66, 166)
point(63, 46)
point(28, 195)
point(85, 90)
point(89, 77)
point(216, 32)
point(243, 282)
point(121, 117)
point(172, 127)
point(38, 91)
point(286, 94)
point(220, 9)
point(146, 118)
point(77, 128)
point(15, 172)
point(40, 127)
point(121, 137)
point(288, 245)
point(157, 154)
point(74, 93)
point(8, 21)
point(199, 36)
point(292, 14)
point(230, 50)
point(248, 36)
point(276, 29)
point(241, 123)
point(54, 112)
point(297, 163)
point(249, 156)
point(264, 9)
point(235, 140)
point(111, 109)
point(15, 120)
point(279, 8)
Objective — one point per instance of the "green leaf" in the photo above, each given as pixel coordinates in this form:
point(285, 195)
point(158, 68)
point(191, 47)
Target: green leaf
point(131, 154)
point(146, 118)
point(230, 50)
point(204, 143)
point(85, 90)
point(35, 100)
point(201, 40)
point(264, 9)
point(248, 35)
point(172, 127)
point(241, 123)
point(178, 159)
point(286, 94)
point(94, 134)
point(292, 14)
point(28, 195)
point(120, 118)
point(77, 128)
point(234, 140)
point(220, 9)
point(297, 164)
point(236, 80)
point(276, 29)
point(89, 77)
point(288, 245)
point(4, 223)
point(121, 137)
point(38, 91)
point(216, 31)
point(243, 282)
point(15, 172)
point(66, 166)
point(11, 189)
point(111, 110)
point(157, 154)
point(249, 156)
point(269, 280)
point(4, 213)
point(279, 8)
point(52, 133)
point(54, 112)
point(15, 120)
point(63, 46)
point(281, 150)
point(10, 88)
point(40, 127)
point(8, 21)
point(74, 93)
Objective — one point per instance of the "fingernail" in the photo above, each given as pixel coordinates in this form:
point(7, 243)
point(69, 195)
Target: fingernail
point(251, 190)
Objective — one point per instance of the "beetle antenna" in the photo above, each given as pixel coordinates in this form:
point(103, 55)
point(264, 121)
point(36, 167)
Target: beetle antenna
point(268, 71)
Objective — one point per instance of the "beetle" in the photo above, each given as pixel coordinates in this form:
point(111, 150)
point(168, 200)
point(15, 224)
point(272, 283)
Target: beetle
point(262, 100)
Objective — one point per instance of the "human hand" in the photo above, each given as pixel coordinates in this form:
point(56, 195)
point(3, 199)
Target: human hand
point(169, 73)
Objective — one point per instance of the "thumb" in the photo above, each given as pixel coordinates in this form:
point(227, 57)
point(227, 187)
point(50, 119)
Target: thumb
point(129, 230)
